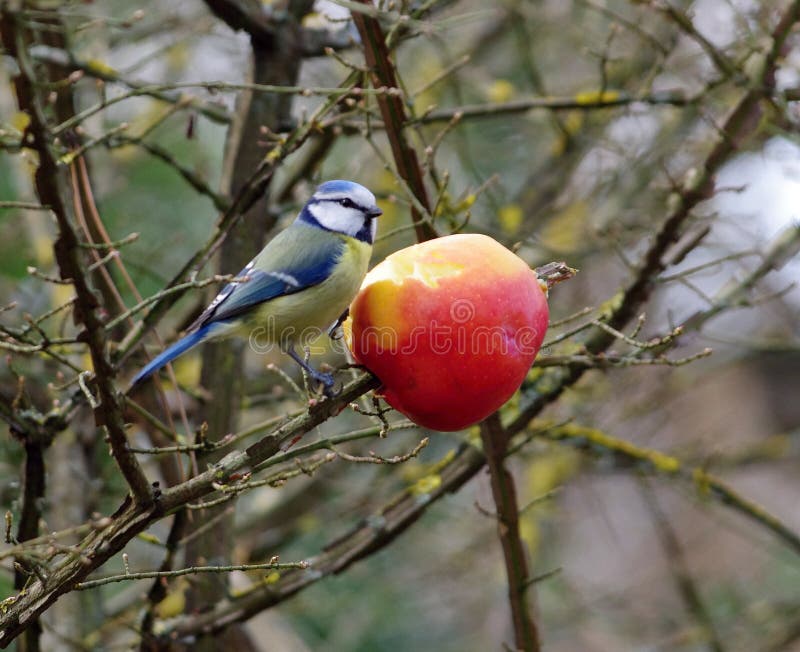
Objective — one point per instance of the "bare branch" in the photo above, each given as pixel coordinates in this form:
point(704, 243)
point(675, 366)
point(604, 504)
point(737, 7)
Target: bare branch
point(495, 447)
point(394, 116)
point(52, 187)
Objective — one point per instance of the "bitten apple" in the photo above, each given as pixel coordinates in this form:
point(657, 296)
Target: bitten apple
point(450, 327)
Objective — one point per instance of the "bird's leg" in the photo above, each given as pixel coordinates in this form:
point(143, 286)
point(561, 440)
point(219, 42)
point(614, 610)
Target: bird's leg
point(334, 332)
point(326, 380)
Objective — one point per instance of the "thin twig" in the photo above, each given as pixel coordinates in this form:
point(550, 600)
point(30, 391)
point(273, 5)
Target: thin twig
point(584, 102)
point(52, 189)
point(684, 581)
point(189, 570)
point(652, 461)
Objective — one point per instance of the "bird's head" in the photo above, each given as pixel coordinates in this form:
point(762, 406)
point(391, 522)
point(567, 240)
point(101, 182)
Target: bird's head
point(343, 207)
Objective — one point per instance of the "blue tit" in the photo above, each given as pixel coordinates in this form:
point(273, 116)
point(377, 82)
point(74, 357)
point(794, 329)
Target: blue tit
point(303, 279)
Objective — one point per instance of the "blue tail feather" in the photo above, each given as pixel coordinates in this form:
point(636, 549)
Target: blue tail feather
point(168, 355)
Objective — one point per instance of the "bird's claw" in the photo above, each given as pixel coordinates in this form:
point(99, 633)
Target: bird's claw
point(335, 331)
point(328, 382)
point(325, 379)
point(331, 391)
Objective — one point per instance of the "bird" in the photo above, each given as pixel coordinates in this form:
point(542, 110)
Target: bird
point(300, 282)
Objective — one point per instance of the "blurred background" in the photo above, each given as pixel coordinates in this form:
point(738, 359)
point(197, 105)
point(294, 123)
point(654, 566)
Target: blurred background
point(581, 124)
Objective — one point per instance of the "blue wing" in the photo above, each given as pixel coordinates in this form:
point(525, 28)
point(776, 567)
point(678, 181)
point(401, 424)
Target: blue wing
point(298, 258)
point(279, 270)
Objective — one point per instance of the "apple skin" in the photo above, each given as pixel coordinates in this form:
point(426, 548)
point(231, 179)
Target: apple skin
point(450, 327)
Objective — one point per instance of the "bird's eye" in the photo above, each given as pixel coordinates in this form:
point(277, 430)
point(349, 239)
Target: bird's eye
point(347, 203)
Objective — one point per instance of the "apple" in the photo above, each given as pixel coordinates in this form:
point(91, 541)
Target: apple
point(450, 327)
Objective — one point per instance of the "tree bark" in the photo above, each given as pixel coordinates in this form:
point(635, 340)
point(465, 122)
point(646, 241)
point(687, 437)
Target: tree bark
point(276, 59)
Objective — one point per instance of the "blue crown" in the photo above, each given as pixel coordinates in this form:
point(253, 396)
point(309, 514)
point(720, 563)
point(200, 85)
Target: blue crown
point(337, 185)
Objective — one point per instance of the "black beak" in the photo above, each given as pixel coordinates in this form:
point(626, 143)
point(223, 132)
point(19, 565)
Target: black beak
point(374, 212)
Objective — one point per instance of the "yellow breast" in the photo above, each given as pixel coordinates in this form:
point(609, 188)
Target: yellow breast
point(303, 316)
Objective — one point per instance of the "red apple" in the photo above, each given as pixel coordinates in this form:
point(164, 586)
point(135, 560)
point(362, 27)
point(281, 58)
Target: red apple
point(450, 327)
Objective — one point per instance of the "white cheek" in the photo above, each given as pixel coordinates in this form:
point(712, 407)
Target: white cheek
point(373, 229)
point(337, 218)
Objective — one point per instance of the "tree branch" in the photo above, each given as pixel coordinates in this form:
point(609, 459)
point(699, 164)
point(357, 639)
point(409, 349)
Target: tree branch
point(53, 190)
point(391, 106)
point(684, 582)
point(131, 518)
point(742, 122)
point(495, 447)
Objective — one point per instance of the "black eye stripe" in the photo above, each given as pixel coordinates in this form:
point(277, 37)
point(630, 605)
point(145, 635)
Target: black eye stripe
point(346, 202)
